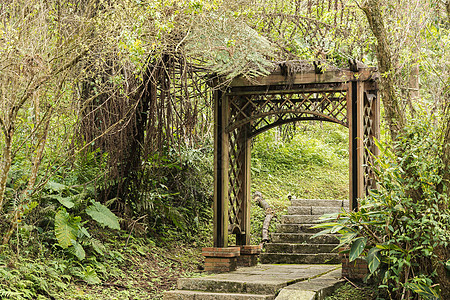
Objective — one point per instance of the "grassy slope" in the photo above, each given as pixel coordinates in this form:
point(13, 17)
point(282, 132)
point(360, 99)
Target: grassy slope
point(312, 164)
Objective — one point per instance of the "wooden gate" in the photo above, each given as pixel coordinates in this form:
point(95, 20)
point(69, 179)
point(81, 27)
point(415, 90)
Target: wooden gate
point(292, 92)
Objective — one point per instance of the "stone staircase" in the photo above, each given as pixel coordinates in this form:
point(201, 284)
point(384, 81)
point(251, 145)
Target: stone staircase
point(262, 282)
point(292, 242)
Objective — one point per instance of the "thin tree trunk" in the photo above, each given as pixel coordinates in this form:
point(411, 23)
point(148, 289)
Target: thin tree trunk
point(42, 140)
point(269, 215)
point(6, 164)
point(447, 6)
point(395, 116)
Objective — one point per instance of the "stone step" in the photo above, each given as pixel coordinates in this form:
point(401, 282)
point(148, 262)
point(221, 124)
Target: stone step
point(299, 219)
point(297, 228)
point(320, 202)
point(296, 258)
point(313, 210)
point(197, 295)
point(304, 238)
point(240, 284)
point(299, 248)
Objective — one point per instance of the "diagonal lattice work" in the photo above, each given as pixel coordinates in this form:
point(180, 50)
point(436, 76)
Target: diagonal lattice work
point(369, 132)
point(266, 111)
point(235, 173)
point(261, 112)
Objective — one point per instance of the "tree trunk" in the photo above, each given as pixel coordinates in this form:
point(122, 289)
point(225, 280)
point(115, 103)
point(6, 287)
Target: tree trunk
point(447, 6)
point(24, 197)
point(395, 116)
point(269, 215)
point(6, 164)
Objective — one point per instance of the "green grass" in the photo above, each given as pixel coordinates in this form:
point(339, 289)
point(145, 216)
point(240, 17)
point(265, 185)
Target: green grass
point(312, 164)
point(350, 292)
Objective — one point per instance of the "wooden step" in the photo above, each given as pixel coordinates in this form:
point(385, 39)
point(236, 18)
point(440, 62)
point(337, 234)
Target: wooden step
point(304, 238)
point(296, 258)
point(198, 295)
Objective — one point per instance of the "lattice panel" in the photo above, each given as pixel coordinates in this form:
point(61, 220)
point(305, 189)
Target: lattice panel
point(369, 145)
point(235, 188)
point(275, 109)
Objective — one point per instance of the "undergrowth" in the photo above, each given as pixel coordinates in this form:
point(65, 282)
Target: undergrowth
point(351, 292)
point(131, 268)
point(61, 249)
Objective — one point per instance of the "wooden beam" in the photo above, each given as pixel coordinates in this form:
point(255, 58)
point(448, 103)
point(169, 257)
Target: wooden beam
point(277, 78)
point(287, 89)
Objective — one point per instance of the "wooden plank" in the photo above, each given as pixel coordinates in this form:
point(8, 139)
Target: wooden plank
point(291, 89)
point(221, 148)
point(310, 77)
point(350, 105)
point(360, 140)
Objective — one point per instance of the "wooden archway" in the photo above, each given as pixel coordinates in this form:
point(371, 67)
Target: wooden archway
point(292, 92)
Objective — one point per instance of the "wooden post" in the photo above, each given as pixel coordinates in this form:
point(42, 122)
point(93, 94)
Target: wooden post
point(360, 142)
point(244, 194)
point(355, 116)
point(221, 147)
point(352, 130)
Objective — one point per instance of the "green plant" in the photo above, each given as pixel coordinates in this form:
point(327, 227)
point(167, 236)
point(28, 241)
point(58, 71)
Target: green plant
point(400, 226)
point(349, 292)
point(69, 230)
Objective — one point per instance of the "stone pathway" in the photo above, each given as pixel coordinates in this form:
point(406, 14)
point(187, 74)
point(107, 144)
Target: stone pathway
point(280, 282)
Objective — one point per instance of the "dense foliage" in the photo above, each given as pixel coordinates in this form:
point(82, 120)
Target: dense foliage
point(403, 228)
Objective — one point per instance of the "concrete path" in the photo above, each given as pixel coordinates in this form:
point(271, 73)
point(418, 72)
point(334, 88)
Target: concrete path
point(280, 282)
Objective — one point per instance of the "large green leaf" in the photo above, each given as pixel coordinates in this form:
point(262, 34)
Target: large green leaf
point(78, 250)
point(347, 237)
point(357, 248)
point(425, 291)
point(55, 186)
point(66, 228)
point(373, 259)
point(66, 201)
point(98, 246)
point(90, 276)
point(100, 213)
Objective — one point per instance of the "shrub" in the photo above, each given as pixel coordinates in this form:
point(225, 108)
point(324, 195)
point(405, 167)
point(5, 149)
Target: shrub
point(400, 226)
